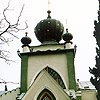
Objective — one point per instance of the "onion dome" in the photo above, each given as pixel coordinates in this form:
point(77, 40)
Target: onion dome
point(26, 40)
point(49, 29)
point(67, 37)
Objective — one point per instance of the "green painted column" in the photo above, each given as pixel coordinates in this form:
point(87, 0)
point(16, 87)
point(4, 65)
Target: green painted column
point(71, 69)
point(79, 98)
point(24, 68)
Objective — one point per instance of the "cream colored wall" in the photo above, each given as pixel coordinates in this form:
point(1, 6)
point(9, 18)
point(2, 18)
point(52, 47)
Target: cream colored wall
point(57, 62)
point(45, 81)
point(88, 95)
point(10, 95)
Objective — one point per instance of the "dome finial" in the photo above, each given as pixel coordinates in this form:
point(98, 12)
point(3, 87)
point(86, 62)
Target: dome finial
point(26, 33)
point(66, 30)
point(49, 14)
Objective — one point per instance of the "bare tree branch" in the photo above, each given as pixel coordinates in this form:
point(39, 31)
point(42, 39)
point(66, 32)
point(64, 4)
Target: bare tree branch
point(6, 27)
point(12, 27)
point(5, 82)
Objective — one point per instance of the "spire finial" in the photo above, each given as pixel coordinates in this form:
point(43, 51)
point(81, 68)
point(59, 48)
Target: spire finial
point(66, 23)
point(49, 9)
point(66, 26)
point(48, 4)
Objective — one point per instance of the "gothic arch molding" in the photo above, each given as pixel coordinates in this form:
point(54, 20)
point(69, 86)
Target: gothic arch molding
point(55, 76)
point(46, 95)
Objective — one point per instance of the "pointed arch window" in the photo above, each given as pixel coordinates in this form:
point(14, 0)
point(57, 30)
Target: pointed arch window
point(56, 76)
point(46, 95)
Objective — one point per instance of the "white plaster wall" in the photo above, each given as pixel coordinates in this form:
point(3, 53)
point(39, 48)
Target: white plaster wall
point(26, 49)
point(57, 62)
point(48, 47)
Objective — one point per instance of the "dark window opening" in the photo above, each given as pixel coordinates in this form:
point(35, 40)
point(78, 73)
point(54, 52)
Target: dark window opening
point(56, 76)
point(46, 95)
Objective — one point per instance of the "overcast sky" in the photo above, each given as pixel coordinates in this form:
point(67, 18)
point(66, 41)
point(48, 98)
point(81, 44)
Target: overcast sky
point(77, 15)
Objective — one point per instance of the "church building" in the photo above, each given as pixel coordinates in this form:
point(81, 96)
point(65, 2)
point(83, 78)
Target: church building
point(47, 70)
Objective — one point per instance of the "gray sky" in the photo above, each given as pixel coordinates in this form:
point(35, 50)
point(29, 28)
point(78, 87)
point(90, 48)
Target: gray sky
point(80, 16)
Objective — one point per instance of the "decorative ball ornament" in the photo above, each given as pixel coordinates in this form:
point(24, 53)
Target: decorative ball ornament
point(67, 37)
point(26, 40)
point(49, 29)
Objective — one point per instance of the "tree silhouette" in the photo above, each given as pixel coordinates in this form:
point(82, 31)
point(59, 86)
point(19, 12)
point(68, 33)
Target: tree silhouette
point(96, 70)
point(6, 27)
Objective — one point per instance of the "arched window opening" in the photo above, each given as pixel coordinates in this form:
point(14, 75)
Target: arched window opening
point(56, 76)
point(46, 95)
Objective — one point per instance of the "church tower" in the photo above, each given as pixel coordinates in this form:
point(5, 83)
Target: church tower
point(47, 70)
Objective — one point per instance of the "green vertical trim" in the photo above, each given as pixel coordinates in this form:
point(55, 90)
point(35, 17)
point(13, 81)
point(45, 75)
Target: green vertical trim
point(71, 69)
point(78, 97)
point(24, 68)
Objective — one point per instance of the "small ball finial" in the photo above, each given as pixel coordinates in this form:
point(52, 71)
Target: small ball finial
point(26, 33)
point(26, 40)
point(67, 37)
point(66, 30)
